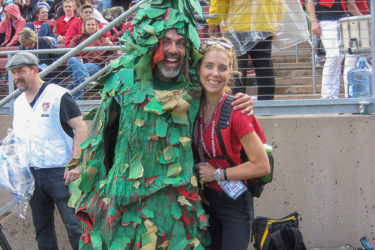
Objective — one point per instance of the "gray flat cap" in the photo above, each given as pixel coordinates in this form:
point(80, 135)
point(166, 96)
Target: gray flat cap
point(21, 59)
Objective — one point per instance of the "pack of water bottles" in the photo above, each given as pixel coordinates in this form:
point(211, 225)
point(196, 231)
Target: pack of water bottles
point(15, 175)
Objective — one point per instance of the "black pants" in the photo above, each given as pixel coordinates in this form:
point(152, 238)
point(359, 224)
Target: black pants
point(229, 220)
point(265, 76)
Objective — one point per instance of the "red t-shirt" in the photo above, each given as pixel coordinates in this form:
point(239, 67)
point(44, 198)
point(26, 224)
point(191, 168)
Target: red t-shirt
point(239, 125)
point(37, 25)
point(62, 25)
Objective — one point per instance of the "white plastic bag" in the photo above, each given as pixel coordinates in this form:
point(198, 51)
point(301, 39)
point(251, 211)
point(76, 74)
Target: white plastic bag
point(15, 175)
point(293, 29)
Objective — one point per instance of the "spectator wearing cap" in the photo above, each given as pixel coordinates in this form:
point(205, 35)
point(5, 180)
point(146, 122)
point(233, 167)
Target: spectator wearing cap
point(11, 26)
point(42, 25)
point(63, 22)
point(76, 27)
point(49, 122)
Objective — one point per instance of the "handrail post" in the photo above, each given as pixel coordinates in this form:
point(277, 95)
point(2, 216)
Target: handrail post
point(373, 49)
point(313, 59)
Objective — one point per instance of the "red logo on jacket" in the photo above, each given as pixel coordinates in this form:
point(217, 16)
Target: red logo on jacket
point(45, 106)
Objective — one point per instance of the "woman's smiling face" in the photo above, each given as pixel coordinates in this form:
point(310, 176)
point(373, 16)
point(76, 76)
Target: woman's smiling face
point(215, 71)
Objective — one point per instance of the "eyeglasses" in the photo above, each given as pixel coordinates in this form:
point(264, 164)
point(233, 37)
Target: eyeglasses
point(221, 43)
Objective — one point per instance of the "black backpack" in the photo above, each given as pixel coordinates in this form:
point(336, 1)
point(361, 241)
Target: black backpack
point(277, 234)
point(255, 186)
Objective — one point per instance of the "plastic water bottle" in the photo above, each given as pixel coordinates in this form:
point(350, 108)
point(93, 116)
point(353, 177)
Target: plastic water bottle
point(359, 79)
point(268, 178)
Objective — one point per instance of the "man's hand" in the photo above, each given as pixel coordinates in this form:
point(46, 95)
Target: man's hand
point(71, 175)
point(206, 172)
point(244, 103)
point(315, 28)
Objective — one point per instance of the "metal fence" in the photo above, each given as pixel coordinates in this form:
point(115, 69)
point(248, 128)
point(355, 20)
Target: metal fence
point(297, 73)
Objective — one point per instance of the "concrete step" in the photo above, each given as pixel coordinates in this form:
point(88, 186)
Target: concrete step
point(297, 97)
point(292, 55)
point(297, 81)
point(292, 65)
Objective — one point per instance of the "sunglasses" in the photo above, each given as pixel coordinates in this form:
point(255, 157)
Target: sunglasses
point(216, 42)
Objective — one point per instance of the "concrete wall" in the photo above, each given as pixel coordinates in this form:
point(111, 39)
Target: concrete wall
point(323, 170)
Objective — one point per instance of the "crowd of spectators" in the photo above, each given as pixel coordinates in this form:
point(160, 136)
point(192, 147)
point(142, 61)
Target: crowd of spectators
point(59, 20)
point(51, 24)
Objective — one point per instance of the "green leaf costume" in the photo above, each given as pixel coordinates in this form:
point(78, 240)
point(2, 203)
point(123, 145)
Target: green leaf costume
point(137, 188)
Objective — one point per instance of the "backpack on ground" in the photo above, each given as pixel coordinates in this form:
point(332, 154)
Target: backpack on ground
point(277, 234)
point(255, 186)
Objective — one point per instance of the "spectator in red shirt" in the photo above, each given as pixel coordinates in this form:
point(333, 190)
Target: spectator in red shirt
point(76, 27)
point(42, 26)
point(63, 22)
point(11, 26)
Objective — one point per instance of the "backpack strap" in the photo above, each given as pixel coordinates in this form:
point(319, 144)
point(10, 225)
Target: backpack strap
point(223, 123)
point(287, 238)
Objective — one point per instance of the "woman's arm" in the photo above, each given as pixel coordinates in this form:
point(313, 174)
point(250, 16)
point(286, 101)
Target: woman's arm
point(257, 166)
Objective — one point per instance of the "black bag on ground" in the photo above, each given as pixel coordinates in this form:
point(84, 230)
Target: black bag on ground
point(280, 234)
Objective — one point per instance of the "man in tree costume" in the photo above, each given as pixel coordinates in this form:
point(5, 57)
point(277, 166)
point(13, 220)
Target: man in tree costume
point(137, 188)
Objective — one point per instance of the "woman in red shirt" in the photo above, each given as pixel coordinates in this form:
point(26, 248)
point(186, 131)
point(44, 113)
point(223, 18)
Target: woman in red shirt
point(43, 27)
point(230, 204)
point(86, 64)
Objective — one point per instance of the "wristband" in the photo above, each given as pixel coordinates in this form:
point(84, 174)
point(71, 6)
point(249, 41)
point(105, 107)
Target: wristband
point(225, 174)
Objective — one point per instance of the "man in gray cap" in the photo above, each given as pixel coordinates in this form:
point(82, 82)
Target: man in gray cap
point(50, 123)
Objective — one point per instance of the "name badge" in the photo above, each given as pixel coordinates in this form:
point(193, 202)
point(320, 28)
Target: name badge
point(233, 188)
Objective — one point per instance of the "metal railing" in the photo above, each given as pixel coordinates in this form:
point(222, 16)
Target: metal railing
point(312, 105)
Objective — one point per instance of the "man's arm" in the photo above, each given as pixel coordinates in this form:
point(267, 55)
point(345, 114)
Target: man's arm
point(218, 7)
point(352, 7)
point(315, 27)
point(80, 135)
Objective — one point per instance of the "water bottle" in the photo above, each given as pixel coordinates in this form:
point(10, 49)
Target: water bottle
point(268, 178)
point(359, 79)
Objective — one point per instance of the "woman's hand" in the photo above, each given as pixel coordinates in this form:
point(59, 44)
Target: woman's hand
point(206, 172)
point(244, 103)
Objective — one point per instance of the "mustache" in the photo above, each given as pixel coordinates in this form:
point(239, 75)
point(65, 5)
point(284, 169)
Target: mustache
point(174, 56)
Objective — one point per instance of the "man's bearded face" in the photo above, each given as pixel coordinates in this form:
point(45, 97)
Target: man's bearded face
point(174, 50)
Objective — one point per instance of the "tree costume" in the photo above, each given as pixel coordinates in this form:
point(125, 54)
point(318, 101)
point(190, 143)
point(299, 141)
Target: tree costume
point(139, 190)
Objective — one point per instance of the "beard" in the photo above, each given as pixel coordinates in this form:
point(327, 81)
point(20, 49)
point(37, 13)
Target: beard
point(169, 73)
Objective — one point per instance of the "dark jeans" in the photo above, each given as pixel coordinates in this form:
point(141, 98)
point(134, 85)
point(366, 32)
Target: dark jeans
point(49, 191)
point(265, 76)
point(229, 220)
point(45, 29)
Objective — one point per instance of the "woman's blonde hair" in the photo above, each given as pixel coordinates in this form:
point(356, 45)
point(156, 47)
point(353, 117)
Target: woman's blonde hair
point(85, 20)
point(227, 47)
